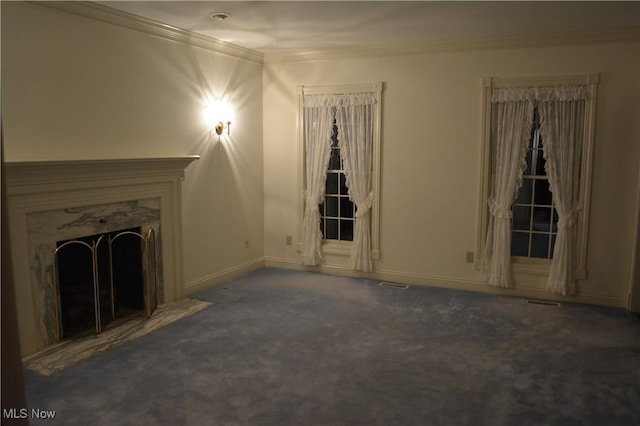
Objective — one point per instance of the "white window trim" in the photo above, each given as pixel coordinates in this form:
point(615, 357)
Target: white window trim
point(343, 248)
point(533, 265)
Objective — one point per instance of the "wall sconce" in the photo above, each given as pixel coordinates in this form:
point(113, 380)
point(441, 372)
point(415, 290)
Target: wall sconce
point(221, 126)
point(217, 116)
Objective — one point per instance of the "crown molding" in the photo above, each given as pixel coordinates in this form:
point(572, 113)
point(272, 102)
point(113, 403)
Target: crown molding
point(446, 46)
point(127, 20)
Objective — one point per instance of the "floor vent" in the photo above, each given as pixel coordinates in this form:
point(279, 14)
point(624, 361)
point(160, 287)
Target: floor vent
point(542, 302)
point(394, 285)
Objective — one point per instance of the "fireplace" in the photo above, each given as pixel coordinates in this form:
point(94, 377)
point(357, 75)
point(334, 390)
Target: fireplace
point(103, 279)
point(50, 202)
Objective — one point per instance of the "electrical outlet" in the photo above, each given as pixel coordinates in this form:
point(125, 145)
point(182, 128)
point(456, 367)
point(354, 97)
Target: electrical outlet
point(246, 243)
point(469, 257)
point(289, 240)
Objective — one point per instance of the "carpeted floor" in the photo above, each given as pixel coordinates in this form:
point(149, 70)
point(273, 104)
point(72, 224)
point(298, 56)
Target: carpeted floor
point(292, 348)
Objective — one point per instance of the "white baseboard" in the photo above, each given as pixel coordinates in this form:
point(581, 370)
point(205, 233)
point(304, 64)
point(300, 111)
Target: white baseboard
point(450, 283)
point(223, 276)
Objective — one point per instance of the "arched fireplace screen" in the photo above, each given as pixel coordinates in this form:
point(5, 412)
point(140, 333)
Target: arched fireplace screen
point(101, 279)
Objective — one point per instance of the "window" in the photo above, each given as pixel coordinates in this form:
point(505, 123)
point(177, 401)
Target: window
point(535, 220)
point(535, 223)
point(337, 212)
point(342, 224)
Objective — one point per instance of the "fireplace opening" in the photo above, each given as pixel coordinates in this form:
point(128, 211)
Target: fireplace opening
point(102, 279)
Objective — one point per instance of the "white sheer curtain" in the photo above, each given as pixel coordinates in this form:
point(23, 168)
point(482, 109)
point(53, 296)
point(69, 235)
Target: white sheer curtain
point(354, 118)
point(512, 118)
point(561, 127)
point(318, 124)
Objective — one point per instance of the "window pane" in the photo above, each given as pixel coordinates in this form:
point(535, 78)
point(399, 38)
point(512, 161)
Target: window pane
point(334, 134)
point(519, 244)
point(553, 245)
point(346, 207)
point(322, 225)
point(346, 230)
point(332, 206)
point(334, 161)
point(526, 192)
point(521, 217)
point(343, 185)
point(331, 229)
point(542, 219)
point(535, 131)
point(541, 193)
point(554, 225)
point(540, 245)
point(332, 183)
point(532, 138)
point(540, 163)
point(527, 171)
point(321, 208)
point(338, 211)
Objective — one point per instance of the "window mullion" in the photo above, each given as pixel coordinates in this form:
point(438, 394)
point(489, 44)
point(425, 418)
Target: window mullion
point(533, 202)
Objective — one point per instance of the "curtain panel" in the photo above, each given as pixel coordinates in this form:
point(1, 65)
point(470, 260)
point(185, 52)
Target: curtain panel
point(318, 125)
point(510, 129)
point(355, 140)
point(561, 128)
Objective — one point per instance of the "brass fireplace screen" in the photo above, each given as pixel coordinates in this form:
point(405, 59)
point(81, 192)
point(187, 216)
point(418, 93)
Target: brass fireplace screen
point(104, 278)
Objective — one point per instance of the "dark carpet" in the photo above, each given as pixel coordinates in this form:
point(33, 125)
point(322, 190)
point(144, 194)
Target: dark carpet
point(294, 348)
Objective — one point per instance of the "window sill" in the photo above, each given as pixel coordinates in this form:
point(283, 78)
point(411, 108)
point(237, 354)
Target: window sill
point(527, 265)
point(524, 265)
point(533, 266)
point(339, 248)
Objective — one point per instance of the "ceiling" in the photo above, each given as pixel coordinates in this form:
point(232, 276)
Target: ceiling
point(297, 26)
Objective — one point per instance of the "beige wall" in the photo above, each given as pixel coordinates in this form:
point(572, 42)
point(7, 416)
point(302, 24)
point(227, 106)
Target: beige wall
point(431, 159)
point(76, 88)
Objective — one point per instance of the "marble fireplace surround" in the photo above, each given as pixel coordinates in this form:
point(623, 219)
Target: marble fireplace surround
point(50, 201)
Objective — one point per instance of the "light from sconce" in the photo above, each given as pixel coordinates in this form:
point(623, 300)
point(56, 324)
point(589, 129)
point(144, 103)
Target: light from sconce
point(217, 116)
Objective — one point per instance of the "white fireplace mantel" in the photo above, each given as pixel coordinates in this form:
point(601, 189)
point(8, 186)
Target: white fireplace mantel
point(37, 176)
point(37, 187)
